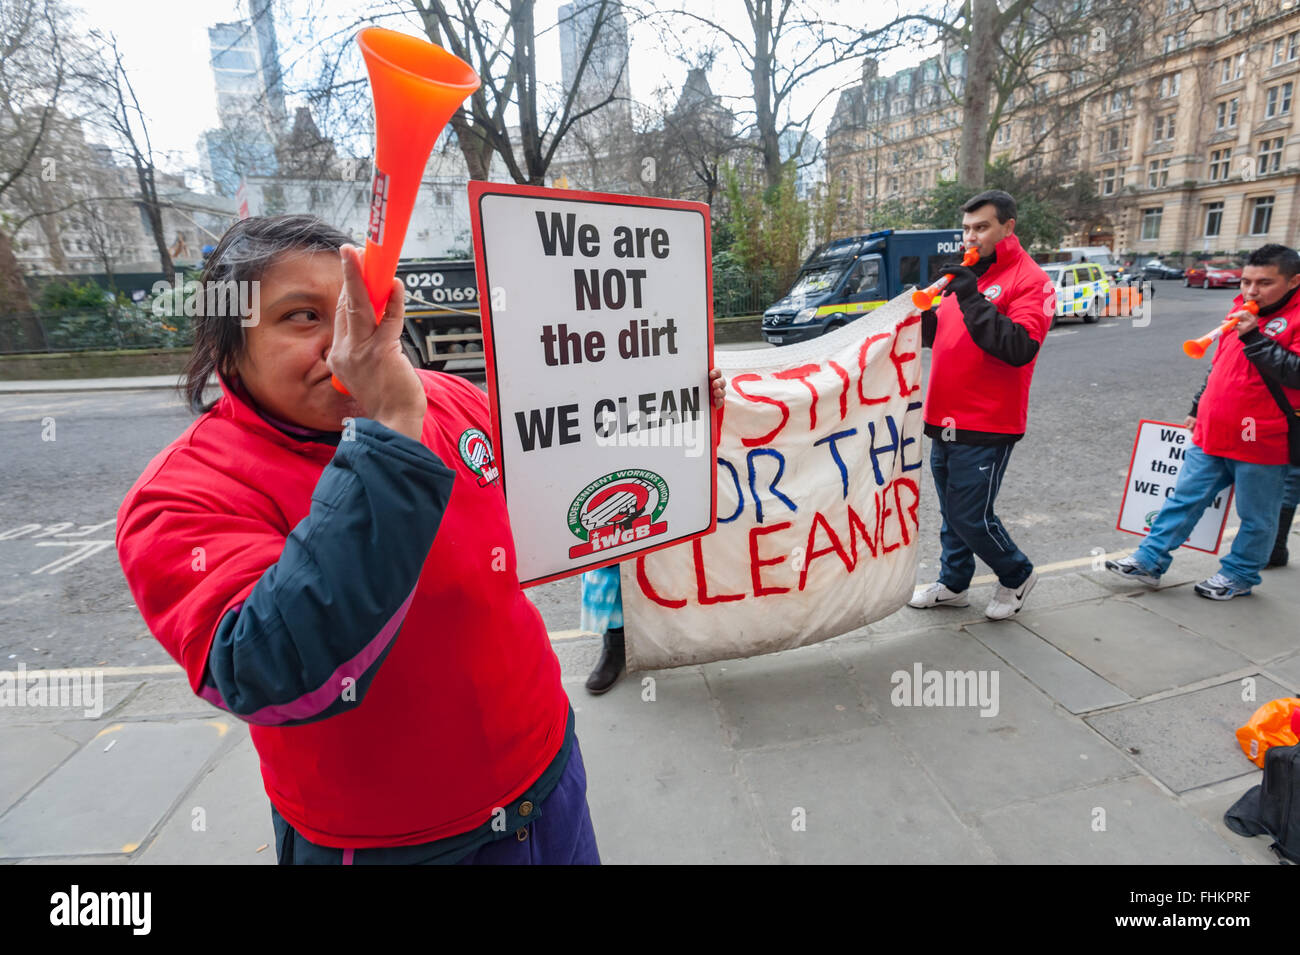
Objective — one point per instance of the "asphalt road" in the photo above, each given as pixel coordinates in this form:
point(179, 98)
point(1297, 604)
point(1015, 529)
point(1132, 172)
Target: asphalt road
point(67, 459)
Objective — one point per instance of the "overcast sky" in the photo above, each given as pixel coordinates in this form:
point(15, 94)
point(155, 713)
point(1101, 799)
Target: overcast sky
point(165, 46)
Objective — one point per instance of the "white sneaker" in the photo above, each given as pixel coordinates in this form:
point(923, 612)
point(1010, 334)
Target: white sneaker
point(1007, 602)
point(937, 595)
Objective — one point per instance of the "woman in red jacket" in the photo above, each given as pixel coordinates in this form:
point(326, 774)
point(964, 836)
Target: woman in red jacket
point(340, 573)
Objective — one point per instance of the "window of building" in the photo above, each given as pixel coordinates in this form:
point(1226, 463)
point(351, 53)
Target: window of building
point(1168, 85)
point(1108, 182)
point(1286, 48)
point(1232, 68)
point(1225, 116)
point(1234, 20)
point(1158, 173)
point(1151, 222)
point(1175, 41)
point(1219, 160)
point(1278, 102)
point(1163, 128)
point(1270, 155)
point(1003, 134)
point(1213, 218)
point(1261, 216)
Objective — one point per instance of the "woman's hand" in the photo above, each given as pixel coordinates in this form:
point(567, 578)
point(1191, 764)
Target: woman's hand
point(367, 357)
point(718, 385)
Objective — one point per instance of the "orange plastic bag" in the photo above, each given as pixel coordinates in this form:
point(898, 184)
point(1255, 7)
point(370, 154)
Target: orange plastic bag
point(1272, 725)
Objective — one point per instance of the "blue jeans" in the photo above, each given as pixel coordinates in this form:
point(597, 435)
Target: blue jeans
point(968, 478)
point(1202, 476)
point(1291, 496)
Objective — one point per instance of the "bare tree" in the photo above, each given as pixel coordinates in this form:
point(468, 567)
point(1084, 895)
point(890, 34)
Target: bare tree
point(690, 135)
point(789, 44)
point(498, 39)
point(32, 80)
point(119, 114)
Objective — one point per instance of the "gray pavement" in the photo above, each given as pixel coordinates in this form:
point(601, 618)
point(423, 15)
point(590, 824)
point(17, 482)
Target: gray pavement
point(1106, 738)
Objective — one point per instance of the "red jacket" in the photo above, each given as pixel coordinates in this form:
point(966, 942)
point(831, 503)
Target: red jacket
point(359, 605)
point(981, 364)
point(1236, 416)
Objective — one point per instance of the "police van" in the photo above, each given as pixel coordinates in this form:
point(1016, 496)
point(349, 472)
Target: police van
point(847, 278)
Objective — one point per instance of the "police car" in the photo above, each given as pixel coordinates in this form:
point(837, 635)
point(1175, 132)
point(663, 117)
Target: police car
point(1082, 290)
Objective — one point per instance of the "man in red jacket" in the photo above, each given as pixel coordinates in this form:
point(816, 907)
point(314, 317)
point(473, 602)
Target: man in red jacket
point(984, 337)
point(1241, 433)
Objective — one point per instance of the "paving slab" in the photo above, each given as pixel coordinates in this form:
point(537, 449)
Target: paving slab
point(107, 797)
point(77, 860)
point(1138, 651)
point(1288, 672)
point(1030, 748)
point(226, 818)
point(1267, 628)
point(30, 752)
point(113, 695)
point(1062, 678)
point(1284, 582)
point(854, 800)
point(1142, 826)
point(663, 786)
point(166, 698)
point(786, 697)
point(1186, 741)
point(1211, 802)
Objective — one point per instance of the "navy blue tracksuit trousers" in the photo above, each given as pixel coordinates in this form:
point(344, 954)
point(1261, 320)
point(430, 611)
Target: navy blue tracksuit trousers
point(967, 478)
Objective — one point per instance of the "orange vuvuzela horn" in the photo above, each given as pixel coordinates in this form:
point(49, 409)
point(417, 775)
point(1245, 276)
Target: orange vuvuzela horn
point(416, 87)
point(1196, 347)
point(924, 298)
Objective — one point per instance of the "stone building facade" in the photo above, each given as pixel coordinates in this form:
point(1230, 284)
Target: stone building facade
point(1194, 149)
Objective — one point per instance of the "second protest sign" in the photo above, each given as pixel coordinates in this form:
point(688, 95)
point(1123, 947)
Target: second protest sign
point(598, 337)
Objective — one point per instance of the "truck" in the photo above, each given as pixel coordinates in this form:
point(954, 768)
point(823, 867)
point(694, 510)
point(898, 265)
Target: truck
point(846, 278)
point(442, 313)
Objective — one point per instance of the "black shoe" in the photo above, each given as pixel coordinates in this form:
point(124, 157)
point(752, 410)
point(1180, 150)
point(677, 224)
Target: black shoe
point(613, 658)
point(1279, 556)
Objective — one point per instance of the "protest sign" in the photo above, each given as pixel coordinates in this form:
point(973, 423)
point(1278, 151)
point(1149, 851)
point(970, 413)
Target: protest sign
point(819, 462)
point(598, 340)
point(1152, 475)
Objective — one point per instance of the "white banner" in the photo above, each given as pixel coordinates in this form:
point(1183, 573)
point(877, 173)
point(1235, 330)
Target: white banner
point(819, 469)
point(597, 336)
point(1152, 475)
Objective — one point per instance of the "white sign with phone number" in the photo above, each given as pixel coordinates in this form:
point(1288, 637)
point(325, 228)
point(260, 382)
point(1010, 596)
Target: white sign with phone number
point(1152, 475)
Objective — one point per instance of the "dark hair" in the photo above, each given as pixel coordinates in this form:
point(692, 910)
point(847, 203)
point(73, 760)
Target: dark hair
point(1286, 260)
point(244, 254)
point(1001, 201)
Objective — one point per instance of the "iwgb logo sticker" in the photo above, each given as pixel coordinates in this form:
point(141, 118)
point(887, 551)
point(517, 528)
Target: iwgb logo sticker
point(476, 452)
point(620, 508)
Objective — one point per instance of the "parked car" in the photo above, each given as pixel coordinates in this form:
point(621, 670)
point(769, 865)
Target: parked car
point(1216, 273)
point(1155, 269)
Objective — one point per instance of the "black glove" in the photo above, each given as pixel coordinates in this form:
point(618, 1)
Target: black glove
point(963, 284)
